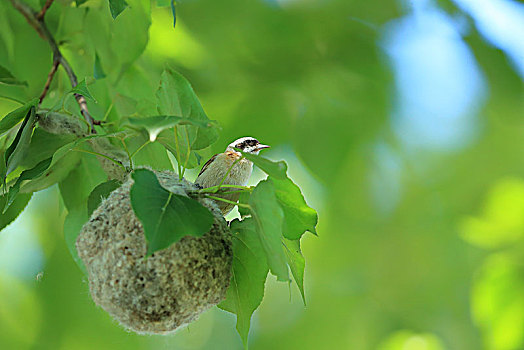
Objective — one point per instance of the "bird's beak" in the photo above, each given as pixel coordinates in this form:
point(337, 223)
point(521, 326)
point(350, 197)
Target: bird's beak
point(260, 147)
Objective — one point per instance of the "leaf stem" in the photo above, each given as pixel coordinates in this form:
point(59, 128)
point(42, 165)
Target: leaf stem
point(101, 155)
point(127, 152)
point(236, 191)
point(188, 153)
point(54, 68)
point(180, 175)
point(215, 189)
point(107, 112)
point(140, 148)
point(228, 201)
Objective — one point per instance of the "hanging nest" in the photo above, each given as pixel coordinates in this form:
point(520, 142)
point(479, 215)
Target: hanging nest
point(157, 294)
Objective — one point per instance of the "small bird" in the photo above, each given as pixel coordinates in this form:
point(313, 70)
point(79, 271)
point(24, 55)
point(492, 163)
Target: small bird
point(218, 166)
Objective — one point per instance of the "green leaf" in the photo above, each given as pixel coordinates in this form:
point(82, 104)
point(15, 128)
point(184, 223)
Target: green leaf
point(7, 30)
point(7, 78)
point(75, 219)
point(156, 124)
point(76, 188)
point(497, 301)
point(175, 96)
point(116, 7)
point(80, 2)
point(244, 199)
point(16, 116)
point(163, 3)
point(30, 174)
point(129, 38)
point(3, 177)
point(17, 150)
point(165, 216)
point(268, 217)
point(296, 263)
point(145, 106)
point(178, 143)
point(190, 162)
point(154, 154)
point(125, 105)
point(403, 340)
point(60, 167)
point(64, 160)
point(99, 193)
point(98, 71)
point(43, 145)
point(14, 210)
point(81, 89)
point(248, 278)
point(298, 216)
point(275, 169)
point(501, 223)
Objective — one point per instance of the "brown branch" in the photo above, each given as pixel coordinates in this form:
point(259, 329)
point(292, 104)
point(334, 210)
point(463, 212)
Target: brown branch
point(81, 100)
point(39, 25)
point(41, 14)
point(54, 68)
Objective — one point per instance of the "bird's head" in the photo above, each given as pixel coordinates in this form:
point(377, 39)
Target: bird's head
point(247, 144)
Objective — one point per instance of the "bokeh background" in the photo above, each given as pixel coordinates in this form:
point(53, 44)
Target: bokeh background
point(402, 121)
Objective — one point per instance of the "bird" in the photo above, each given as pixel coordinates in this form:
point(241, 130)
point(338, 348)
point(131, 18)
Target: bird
point(222, 169)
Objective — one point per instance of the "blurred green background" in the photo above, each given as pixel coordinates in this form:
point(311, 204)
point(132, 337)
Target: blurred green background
point(402, 121)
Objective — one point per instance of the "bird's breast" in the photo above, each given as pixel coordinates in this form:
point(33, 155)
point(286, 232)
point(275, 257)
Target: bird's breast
point(216, 171)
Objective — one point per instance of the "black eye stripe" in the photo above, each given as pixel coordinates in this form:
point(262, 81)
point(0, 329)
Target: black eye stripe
point(247, 143)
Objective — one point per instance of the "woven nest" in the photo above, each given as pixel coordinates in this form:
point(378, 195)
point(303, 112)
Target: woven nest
point(165, 291)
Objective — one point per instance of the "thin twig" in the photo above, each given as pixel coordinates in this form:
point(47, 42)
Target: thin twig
point(188, 152)
point(140, 148)
point(180, 175)
point(41, 14)
point(107, 113)
point(39, 25)
point(228, 201)
point(231, 192)
point(54, 68)
point(215, 189)
point(127, 152)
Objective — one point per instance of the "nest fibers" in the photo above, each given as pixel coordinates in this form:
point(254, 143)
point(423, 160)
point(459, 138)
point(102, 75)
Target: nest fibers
point(169, 289)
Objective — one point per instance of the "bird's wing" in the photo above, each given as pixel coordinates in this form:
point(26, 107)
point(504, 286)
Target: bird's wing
point(207, 164)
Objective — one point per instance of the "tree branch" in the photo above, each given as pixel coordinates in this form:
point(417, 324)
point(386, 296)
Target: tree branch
point(54, 68)
point(36, 20)
point(41, 14)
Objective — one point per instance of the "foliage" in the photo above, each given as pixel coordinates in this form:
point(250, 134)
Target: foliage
point(166, 216)
point(249, 273)
point(7, 78)
point(89, 161)
point(99, 193)
point(418, 247)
